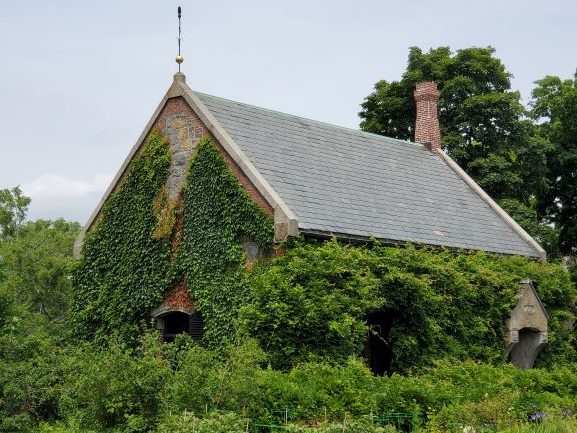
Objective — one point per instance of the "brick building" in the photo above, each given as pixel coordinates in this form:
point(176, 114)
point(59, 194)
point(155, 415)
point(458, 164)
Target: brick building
point(318, 181)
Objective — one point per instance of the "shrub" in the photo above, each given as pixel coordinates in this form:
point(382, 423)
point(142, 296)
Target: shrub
point(213, 422)
point(112, 388)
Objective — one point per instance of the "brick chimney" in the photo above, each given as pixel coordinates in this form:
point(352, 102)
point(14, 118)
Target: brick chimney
point(427, 122)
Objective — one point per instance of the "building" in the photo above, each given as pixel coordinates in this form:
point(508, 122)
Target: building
point(317, 180)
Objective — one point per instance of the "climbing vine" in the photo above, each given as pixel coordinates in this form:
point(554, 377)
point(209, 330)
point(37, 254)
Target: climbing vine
point(310, 303)
point(125, 269)
point(218, 215)
point(128, 263)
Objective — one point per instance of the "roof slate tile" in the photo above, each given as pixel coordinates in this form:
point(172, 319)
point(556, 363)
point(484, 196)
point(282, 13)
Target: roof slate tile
point(354, 183)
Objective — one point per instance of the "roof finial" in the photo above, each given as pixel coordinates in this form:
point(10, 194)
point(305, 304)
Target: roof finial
point(179, 58)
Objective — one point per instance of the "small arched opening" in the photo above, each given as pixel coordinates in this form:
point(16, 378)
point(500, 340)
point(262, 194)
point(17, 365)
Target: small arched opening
point(526, 328)
point(529, 345)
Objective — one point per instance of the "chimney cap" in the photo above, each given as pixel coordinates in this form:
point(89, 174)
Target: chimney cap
point(426, 91)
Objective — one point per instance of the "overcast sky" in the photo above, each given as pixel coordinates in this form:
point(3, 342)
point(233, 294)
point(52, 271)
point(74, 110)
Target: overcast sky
point(79, 80)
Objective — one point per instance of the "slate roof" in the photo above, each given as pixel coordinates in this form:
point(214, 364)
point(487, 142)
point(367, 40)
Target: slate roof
point(351, 183)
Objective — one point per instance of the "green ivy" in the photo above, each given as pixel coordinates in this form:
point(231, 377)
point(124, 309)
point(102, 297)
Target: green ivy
point(310, 303)
point(218, 215)
point(124, 271)
point(127, 265)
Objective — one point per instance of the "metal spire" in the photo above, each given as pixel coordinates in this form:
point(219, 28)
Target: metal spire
point(179, 58)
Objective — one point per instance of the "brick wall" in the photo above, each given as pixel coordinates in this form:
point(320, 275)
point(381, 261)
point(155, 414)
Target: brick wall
point(183, 129)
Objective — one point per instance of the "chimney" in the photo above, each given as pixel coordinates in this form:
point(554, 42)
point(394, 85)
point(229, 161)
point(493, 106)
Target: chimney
point(427, 122)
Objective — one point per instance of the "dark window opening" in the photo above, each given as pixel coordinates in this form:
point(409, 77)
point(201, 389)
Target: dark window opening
point(377, 351)
point(179, 323)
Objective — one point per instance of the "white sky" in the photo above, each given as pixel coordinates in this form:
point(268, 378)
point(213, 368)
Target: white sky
point(80, 79)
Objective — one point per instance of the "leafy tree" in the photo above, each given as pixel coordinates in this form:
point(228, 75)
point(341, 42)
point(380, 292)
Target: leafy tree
point(13, 208)
point(555, 105)
point(481, 119)
point(483, 124)
point(527, 217)
point(37, 265)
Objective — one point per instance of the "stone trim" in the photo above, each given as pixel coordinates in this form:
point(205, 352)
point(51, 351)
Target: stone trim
point(541, 254)
point(286, 224)
point(285, 220)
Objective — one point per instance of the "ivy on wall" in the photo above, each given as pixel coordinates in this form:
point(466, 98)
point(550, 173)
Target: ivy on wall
point(310, 303)
point(128, 265)
point(218, 215)
point(313, 303)
point(125, 269)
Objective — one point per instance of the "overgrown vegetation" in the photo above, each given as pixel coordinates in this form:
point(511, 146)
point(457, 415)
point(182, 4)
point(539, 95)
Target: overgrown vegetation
point(125, 270)
point(185, 387)
point(313, 302)
point(284, 336)
point(217, 216)
point(129, 263)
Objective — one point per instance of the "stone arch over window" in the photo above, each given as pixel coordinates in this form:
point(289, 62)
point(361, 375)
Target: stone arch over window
point(526, 328)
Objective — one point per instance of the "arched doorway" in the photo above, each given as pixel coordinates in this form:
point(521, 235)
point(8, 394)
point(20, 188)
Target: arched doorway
point(529, 344)
point(526, 328)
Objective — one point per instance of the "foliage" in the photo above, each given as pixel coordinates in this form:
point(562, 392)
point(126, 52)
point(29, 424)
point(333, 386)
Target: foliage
point(313, 301)
point(13, 208)
point(483, 124)
point(124, 271)
point(478, 112)
point(113, 388)
point(87, 388)
point(217, 216)
point(37, 266)
point(29, 370)
point(128, 263)
point(213, 423)
point(555, 105)
point(526, 215)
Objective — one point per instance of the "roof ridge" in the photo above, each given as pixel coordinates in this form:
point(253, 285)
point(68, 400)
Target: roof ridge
point(346, 128)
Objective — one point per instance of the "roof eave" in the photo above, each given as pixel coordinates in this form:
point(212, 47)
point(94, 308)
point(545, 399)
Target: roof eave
point(322, 234)
point(540, 252)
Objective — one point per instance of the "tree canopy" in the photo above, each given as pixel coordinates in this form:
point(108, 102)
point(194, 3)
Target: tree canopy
point(13, 208)
point(484, 128)
point(554, 106)
point(35, 258)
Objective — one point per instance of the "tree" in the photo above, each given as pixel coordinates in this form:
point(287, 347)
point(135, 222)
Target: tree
point(484, 127)
point(481, 119)
point(554, 104)
point(13, 208)
point(37, 266)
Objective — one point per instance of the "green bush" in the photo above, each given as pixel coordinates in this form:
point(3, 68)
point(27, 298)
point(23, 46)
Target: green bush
point(312, 303)
point(214, 422)
point(30, 371)
point(115, 389)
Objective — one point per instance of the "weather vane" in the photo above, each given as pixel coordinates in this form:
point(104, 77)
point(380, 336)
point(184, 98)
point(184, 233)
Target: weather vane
point(179, 58)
